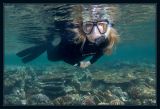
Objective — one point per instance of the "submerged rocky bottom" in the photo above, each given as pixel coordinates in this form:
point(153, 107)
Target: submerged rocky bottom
point(122, 84)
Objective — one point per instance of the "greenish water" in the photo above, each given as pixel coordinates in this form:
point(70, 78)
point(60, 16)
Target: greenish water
point(128, 75)
point(141, 47)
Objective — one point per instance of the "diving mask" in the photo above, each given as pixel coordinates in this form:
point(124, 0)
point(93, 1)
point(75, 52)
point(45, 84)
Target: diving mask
point(103, 27)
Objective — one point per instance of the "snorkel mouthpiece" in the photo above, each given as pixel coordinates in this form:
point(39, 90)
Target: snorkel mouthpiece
point(100, 40)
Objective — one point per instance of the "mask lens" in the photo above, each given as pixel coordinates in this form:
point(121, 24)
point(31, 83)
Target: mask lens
point(87, 27)
point(102, 26)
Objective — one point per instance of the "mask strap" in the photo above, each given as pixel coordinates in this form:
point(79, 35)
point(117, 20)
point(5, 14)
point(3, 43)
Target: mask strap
point(108, 31)
point(83, 45)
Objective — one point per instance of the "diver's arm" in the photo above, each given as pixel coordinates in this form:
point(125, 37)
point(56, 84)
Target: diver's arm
point(95, 57)
point(83, 64)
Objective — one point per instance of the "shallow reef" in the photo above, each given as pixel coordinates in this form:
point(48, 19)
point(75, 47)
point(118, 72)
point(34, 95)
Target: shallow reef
point(122, 84)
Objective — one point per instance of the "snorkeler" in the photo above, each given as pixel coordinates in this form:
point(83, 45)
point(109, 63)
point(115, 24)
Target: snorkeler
point(78, 41)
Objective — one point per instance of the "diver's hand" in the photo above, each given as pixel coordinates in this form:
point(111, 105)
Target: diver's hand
point(85, 64)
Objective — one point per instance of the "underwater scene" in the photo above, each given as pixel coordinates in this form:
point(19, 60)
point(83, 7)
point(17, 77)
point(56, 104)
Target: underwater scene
point(127, 77)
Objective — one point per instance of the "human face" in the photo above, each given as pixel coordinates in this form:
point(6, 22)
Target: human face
point(94, 30)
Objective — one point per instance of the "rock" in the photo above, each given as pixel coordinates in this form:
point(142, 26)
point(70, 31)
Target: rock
point(103, 103)
point(88, 100)
point(12, 100)
point(87, 75)
point(118, 92)
point(116, 102)
point(19, 92)
point(54, 85)
point(64, 100)
point(23, 102)
point(112, 78)
point(76, 84)
point(149, 102)
point(142, 92)
point(134, 102)
point(70, 90)
point(39, 99)
point(69, 99)
point(104, 97)
point(86, 86)
point(150, 81)
point(54, 94)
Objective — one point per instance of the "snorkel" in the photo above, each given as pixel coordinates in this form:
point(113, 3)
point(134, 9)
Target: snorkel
point(95, 14)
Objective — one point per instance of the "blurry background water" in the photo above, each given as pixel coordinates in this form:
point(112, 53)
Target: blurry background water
point(134, 22)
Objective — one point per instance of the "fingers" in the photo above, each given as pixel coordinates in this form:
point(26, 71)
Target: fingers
point(84, 64)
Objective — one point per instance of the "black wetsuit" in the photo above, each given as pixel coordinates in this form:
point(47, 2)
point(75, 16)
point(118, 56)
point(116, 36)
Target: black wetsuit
point(67, 50)
point(71, 53)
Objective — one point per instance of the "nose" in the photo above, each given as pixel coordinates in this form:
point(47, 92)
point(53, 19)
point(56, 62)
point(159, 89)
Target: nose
point(94, 34)
point(95, 31)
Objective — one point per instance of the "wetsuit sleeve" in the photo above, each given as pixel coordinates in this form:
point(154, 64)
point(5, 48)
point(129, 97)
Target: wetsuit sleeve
point(96, 57)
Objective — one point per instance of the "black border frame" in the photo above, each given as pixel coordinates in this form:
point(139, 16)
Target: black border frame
point(72, 1)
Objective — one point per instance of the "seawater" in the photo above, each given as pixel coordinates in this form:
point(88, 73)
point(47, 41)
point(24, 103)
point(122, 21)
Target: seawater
point(134, 56)
point(142, 48)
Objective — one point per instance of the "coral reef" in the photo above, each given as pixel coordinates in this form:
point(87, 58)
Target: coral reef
point(118, 92)
point(69, 99)
point(12, 100)
point(112, 78)
point(116, 102)
point(88, 100)
point(39, 99)
point(122, 84)
point(141, 92)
